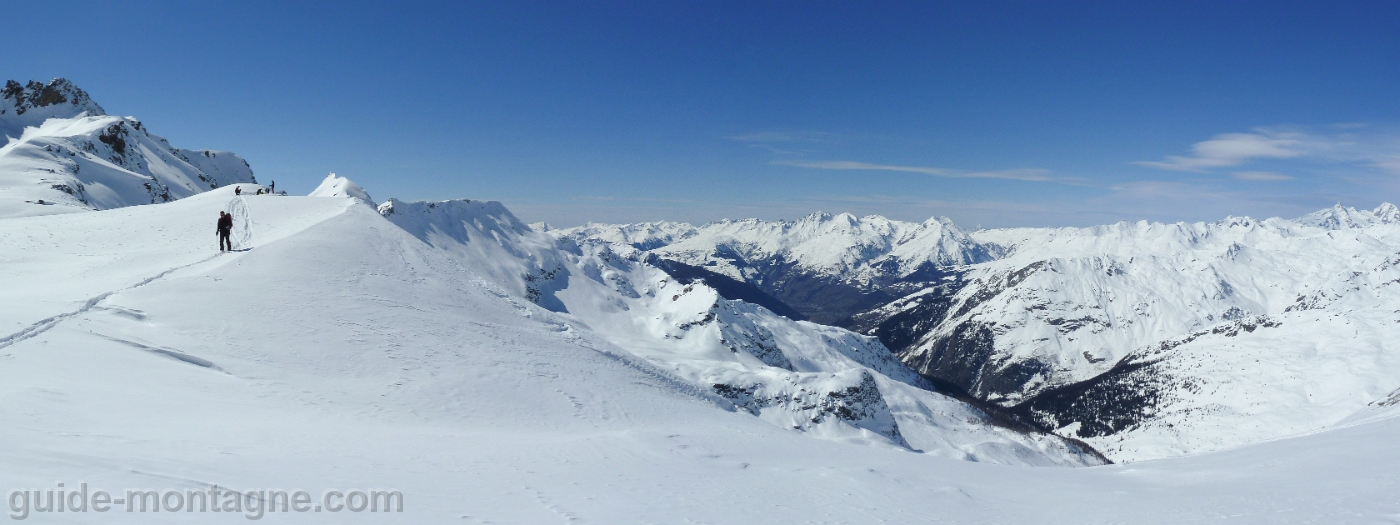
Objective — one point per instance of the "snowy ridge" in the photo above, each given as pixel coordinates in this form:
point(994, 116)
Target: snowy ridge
point(822, 380)
point(64, 154)
point(334, 186)
point(1340, 218)
point(860, 250)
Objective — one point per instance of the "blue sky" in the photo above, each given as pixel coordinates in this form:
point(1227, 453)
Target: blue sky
point(992, 113)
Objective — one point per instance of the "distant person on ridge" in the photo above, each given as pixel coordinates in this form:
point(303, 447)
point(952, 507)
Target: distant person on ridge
point(237, 190)
point(225, 228)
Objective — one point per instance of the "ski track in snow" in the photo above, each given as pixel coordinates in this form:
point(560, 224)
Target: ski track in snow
point(47, 324)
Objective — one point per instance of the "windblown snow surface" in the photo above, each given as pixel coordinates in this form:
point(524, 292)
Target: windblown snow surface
point(495, 375)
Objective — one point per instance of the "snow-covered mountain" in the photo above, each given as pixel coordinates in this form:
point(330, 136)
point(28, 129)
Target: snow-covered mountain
point(494, 375)
point(1161, 340)
point(826, 266)
point(1117, 334)
point(63, 153)
point(30, 105)
point(334, 186)
point(822, 380)
point(1066, 304)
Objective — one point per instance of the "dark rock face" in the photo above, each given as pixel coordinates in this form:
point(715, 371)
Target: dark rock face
point(115, 137)
point(959, 358)
point(763, 347)
point(860, 405)
point(649, 245)
point(541, 284)
point(25, 97)
point(854, 403)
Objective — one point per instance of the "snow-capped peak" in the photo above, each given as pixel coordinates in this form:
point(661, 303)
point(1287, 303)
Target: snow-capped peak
point(1387, 213)
point(30, 104)
point(336, 186)
point(62, 153)
point(1340, 217)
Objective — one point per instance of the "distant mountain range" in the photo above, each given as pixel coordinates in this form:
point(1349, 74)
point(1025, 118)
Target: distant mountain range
point(1143, 339)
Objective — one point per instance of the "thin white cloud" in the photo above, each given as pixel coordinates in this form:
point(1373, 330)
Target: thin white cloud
point(1354, 144)
point(1031, 174)
point(1231, 149)
point(1390, 164)
point(1169, 190)
point(1260, 176)
point(853, 165)
point(782, 136)
point(1026, 174)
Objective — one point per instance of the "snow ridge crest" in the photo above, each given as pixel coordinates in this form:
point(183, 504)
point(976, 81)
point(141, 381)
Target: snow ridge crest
point(844, 246)
point(1340, 217)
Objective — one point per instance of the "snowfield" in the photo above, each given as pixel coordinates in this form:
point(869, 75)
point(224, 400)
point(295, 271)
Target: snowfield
point(343, 351)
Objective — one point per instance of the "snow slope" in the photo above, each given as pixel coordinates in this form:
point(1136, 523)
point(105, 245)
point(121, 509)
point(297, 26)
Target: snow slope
point(63, 153)
point(333, 186)
point(1138, 338)
point(341, 353)
point(1153, 340)
point(822, 380)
